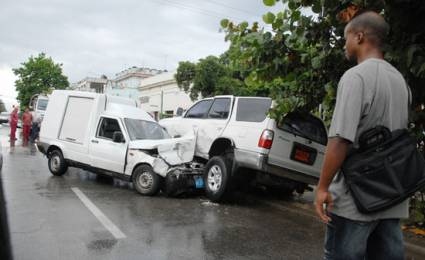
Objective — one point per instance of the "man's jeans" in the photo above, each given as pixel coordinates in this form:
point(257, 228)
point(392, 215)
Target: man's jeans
point(349, 239)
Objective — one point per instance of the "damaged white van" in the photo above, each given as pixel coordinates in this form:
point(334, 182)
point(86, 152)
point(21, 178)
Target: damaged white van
point(113, 136)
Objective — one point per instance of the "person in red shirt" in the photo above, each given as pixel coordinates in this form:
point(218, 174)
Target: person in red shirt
point(13, 122)
point(27, 122)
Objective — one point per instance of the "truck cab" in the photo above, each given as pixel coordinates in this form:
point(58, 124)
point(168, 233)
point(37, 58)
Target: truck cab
point(236, 135)
point(39, 103)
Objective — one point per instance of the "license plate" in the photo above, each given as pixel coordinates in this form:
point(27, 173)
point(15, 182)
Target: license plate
point(303, 154)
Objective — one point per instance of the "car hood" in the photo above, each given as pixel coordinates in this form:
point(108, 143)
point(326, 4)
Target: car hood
point(174, 150)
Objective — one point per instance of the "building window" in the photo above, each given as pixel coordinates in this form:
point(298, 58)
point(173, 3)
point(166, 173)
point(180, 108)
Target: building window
point(144, 100)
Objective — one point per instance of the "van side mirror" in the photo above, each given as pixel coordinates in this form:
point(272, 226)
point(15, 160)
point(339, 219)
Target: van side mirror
point(117, 137)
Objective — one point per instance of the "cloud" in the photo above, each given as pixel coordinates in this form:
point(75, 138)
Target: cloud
point(91, 38)
point(7, 82)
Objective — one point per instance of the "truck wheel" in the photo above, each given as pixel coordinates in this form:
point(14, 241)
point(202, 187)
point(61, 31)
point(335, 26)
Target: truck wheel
point(146, 181)
point(57, 164)
point(217, 178)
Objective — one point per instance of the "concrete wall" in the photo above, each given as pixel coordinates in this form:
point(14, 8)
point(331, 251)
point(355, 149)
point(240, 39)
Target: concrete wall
point(173, 98)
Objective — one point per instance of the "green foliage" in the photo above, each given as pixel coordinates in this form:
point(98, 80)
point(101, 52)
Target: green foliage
point(208, 77)
point(38, 75)
point(300, 61)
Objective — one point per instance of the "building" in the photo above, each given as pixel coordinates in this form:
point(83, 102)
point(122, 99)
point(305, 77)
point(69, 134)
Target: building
point(127, 82)
point(161, 93)
point(91, 84)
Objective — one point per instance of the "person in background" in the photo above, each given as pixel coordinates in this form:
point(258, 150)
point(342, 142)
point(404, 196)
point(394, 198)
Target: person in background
point(26, 122)
point(35, 129)
point(13, 122)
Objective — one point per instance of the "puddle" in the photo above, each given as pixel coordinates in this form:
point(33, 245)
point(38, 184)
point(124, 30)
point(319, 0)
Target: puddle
point(102, 244)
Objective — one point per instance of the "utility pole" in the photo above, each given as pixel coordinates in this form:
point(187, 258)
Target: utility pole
point(162, 105)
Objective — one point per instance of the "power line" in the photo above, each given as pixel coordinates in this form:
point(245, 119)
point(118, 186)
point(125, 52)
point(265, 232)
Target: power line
point(231, 7)
point(195, 9)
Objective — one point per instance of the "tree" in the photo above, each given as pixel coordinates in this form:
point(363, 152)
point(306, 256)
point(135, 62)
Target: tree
point(300, 61)
point(208, 77)
point(38, 75)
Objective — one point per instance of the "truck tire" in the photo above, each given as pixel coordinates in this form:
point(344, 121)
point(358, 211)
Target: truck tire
point(146, 181)
point(57, 164)
point(217, 178)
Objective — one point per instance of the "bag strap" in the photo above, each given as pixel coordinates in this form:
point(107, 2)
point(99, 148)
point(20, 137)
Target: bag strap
point(409, 101)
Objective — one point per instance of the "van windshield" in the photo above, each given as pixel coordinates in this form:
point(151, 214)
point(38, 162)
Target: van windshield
point(141, 130)
point(42, 104)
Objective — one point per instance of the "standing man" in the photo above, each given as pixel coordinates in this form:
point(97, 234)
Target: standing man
point(27, 122)
point(369, 94)
point(13, 123)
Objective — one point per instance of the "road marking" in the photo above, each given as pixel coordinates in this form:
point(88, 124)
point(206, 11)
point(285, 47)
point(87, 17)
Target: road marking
point(115, 231)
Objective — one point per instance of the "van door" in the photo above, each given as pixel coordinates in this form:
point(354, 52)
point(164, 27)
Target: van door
point(75, 128)
point(104, 153)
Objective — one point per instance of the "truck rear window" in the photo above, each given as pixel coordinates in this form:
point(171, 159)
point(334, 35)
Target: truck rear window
point(305, 125)
point(253, 109)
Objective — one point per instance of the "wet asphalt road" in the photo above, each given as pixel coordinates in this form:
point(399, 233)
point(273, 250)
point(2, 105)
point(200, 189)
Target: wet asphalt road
point(47, 220)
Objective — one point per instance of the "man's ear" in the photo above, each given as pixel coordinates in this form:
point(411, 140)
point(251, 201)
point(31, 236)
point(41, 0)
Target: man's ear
point(360, 37)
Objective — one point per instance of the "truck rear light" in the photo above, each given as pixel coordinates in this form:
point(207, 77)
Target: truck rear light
point(266, 139)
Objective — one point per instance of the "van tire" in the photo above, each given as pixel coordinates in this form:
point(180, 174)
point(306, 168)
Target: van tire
point(146, 181)
point(57, 164)
point(217, 178)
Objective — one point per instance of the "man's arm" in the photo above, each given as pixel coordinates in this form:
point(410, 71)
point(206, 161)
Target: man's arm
point(336, 151)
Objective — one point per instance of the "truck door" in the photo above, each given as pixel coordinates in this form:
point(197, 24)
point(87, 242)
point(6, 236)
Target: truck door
point(299, 144)
point(104, 153)
point(214, 124)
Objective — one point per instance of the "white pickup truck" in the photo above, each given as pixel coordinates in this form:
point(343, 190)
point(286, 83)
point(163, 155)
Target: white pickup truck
point(236, 138)
point(111, 135)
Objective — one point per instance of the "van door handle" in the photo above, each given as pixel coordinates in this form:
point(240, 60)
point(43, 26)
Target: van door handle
point(95, 141)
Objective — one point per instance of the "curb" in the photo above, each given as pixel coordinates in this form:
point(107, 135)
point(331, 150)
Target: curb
point(414, 249)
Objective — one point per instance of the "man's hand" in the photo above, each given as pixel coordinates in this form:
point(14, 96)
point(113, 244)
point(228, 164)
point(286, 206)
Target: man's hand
point(336, 151)
point(324, 204)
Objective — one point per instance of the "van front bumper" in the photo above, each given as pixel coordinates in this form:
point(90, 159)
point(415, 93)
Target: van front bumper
point(42, 147)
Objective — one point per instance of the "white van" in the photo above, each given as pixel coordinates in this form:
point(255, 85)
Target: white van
point(6, 107)
point(110, 135)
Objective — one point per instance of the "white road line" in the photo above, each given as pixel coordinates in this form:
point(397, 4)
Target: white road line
point(115, 231)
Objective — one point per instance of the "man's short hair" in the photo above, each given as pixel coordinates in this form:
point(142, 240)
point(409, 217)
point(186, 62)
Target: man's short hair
point(373, 25)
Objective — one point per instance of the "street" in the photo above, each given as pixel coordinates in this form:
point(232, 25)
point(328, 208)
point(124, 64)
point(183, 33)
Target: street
point(49, 221)
point(85, 216)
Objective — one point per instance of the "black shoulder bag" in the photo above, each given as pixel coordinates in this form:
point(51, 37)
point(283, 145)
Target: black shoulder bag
point(385, 170)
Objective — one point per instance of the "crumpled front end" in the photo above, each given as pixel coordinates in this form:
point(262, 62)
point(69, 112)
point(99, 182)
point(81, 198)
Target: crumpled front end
point(161, 154)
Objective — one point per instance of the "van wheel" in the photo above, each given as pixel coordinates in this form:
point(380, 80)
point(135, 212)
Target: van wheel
point(217, 178)
point(146, 181)
point(57, 164)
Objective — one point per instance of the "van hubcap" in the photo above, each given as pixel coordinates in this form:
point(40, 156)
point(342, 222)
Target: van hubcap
point(215, 176)
point(145, 180)
point(55, 163)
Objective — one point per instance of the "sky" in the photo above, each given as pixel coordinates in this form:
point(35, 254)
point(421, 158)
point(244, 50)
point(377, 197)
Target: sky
point(91, 38)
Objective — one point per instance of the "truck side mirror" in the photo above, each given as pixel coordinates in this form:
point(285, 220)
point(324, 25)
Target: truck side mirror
point(117, 137)
point(179, 111)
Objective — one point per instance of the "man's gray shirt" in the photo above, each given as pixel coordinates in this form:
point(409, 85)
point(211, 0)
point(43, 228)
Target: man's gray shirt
point(369, 94)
